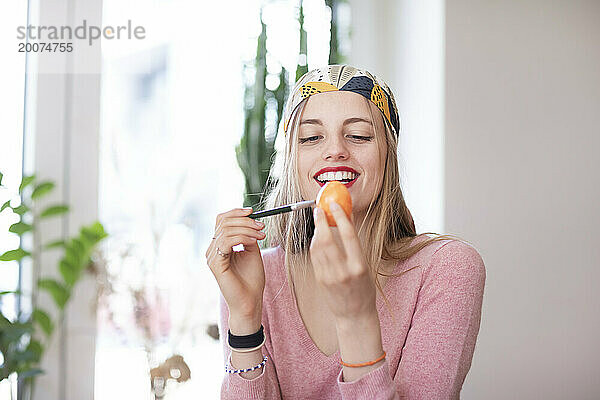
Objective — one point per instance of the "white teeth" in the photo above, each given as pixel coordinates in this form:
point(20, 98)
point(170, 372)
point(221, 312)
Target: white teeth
point(336, 176)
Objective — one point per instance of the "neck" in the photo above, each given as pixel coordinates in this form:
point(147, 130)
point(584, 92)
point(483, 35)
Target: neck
point(359, 218)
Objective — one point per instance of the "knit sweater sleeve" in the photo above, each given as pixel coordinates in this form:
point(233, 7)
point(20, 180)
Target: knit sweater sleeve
point(376, 385)
point(265, 386)
point(440, 343)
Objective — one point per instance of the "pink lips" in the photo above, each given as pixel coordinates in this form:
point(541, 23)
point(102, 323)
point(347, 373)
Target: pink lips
point(334, 169)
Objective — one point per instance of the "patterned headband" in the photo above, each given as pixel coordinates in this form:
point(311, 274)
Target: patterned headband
point(344, 77)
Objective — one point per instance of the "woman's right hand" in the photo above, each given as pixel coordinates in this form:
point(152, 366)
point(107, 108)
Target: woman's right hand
point(240, 274)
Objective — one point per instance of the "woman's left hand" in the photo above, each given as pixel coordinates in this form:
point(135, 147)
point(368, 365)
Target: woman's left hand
point(342, 271)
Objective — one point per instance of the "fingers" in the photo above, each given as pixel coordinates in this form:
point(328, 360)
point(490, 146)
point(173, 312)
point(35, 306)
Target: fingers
point(232, 238)
point(236, 222)
point(231, 229)
point(334, 261)
point(324, 251)
point(226, 244)
point(236, 212)
point(347, 231)
point(234, 235)
point(220, 264)
point(322, 231)
point(236, 218)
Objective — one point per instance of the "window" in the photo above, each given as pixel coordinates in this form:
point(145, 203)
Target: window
point(12, 100)
point(172, 113)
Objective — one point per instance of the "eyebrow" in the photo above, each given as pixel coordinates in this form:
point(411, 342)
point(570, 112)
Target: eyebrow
point(346, 122)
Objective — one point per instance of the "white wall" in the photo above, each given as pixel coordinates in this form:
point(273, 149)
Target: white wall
point(402, 42)
point(519, 134)
point(522, 137)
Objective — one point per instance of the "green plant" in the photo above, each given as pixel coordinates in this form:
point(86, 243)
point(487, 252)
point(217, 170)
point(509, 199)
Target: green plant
point(302, 67)
point(335, 55)
point(24, 339)
point(256, 149)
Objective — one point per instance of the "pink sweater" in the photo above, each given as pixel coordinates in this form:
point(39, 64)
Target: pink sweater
point(429, 347)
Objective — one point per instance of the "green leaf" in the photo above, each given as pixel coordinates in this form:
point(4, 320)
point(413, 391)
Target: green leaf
point(5, 205)
point(69, 272)
point(30, 373)
point(36, 347)
point(24, 356)
point(22, 209)
point(20, 228)
point(42, 189)
point(1, 176)
point(79, 246)
point(54, 210)
point(43, 319)
point(55, 244)
point(94, 232)
point(72, 254)
point(59, 293)
point(14, 255)
point(10, 292)
point(89, 236)
point(12, 331)
point(26, 181)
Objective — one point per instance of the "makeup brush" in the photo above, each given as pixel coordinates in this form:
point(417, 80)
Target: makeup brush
point(278, 210)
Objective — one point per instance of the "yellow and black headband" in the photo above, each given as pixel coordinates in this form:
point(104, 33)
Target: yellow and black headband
point(344, 77)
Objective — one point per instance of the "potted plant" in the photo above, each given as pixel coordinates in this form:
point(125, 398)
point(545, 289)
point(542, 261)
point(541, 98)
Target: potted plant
point(24, 338)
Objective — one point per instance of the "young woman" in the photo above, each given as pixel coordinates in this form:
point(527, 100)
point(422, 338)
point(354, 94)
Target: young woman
point(305, 318)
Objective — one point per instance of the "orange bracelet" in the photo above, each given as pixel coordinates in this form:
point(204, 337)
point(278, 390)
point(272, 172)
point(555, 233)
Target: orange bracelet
point(363, 364)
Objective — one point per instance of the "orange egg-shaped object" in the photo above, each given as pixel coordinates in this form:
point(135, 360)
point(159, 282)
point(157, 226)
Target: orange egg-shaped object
point(336, 191)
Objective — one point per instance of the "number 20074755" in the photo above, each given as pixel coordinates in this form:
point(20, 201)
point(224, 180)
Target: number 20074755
point(45, 47)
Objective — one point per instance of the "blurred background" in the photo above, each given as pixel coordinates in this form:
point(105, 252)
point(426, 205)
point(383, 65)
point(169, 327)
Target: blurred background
point(116, 157)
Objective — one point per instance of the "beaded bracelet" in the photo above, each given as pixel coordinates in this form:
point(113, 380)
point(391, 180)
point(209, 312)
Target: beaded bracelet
point(235, 371)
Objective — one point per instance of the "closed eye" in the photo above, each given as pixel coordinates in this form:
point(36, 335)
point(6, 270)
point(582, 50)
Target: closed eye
point(363, 138)
point(308, 139)
point(355, 137)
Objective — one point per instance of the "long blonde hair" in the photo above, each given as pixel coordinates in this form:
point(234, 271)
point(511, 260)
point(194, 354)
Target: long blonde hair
point(388, 224)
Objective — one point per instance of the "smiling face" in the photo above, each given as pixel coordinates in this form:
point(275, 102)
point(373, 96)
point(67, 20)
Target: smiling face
point(335, 141)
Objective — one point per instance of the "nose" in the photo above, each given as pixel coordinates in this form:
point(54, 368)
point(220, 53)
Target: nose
point(335, 149)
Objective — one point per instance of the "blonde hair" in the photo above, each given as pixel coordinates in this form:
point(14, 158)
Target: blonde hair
point(388, 224)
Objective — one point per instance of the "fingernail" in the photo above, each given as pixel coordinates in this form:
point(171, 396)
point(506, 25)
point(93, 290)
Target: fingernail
point(333, 205)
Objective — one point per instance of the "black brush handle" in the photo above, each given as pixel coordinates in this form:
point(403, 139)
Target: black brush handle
point(273, 211)
point(283, 209)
